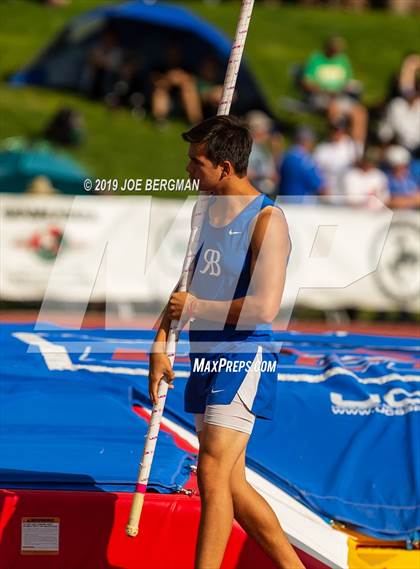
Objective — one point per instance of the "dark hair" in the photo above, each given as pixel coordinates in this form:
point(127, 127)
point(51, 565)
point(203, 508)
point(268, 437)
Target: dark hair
point(341, 123)
point(226, 138)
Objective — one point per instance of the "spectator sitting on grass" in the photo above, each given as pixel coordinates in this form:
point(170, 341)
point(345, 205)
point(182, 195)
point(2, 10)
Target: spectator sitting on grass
point(329, 85)
point(337, 155)
point(67, 127)
point(299, 174)
point(104, 64)
point(169, 80)
point(129, 88)
point(405, 192)
point(210, 86)
point(365, 180)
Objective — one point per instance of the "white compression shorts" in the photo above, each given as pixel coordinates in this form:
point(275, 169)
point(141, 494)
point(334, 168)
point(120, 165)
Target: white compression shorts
point(234, 416)
point(237, 415)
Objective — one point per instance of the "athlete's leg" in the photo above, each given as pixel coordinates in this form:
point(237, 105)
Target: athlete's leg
point(257, 518)
point(220, 448)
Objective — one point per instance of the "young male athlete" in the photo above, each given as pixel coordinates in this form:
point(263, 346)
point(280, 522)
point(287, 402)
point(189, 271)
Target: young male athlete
point(235, 294)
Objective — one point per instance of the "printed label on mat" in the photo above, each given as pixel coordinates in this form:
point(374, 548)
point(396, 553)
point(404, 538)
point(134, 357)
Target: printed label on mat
point(40, 536)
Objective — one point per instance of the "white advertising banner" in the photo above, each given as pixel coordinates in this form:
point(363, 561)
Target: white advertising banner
point(350, 258)
point(131, 249)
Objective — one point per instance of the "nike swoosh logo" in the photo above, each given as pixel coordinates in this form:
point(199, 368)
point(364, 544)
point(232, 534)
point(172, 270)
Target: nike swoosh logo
point(234, 232)
point(217, 390)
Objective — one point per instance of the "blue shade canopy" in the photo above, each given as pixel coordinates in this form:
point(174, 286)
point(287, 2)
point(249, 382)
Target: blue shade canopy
point(344, 441)
point(18, 168)
point(147, 30)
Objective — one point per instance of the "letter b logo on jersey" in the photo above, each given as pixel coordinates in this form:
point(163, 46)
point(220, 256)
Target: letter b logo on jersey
point(212, 258)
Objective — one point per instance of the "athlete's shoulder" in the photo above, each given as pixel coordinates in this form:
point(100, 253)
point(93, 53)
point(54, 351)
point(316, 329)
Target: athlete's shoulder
point(270, 223)
point(271, 210)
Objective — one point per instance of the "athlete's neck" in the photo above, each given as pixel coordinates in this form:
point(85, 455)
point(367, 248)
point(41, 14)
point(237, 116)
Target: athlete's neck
point(234, 186)
point(236, 194)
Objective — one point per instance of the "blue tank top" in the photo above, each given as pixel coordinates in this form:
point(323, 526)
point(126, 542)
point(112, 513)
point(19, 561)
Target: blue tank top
point(223, 272)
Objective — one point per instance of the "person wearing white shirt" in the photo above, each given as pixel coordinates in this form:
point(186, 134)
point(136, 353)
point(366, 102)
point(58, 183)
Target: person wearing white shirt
point(365, 181)
point(336, 156)
point(402, 121)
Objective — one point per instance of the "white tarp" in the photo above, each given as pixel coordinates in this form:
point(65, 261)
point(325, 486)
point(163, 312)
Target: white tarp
point(130, 249)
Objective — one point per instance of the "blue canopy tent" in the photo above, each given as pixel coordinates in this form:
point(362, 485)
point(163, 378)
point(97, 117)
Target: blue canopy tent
point(20, 167)
point(146, 30)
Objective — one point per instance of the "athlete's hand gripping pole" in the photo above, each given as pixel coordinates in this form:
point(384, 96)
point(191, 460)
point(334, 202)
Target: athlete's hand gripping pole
point(200, 210)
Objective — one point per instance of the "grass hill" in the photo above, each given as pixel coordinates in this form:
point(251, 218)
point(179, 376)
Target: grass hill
point(120, 146)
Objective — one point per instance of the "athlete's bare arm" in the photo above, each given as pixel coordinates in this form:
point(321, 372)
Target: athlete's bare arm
point(270, 248)
point(159, 364)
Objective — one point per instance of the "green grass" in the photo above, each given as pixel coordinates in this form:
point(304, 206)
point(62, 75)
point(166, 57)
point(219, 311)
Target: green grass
point(119, 145)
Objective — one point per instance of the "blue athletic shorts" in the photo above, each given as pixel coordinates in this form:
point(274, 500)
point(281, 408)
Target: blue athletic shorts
point(216, 378)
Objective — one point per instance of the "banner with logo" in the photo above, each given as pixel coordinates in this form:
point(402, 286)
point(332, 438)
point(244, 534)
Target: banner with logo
point(131, 249)
point(91, 248)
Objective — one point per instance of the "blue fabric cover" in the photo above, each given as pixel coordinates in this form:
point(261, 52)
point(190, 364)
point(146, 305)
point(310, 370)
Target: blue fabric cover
point(344, 441)
point(74, 430)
